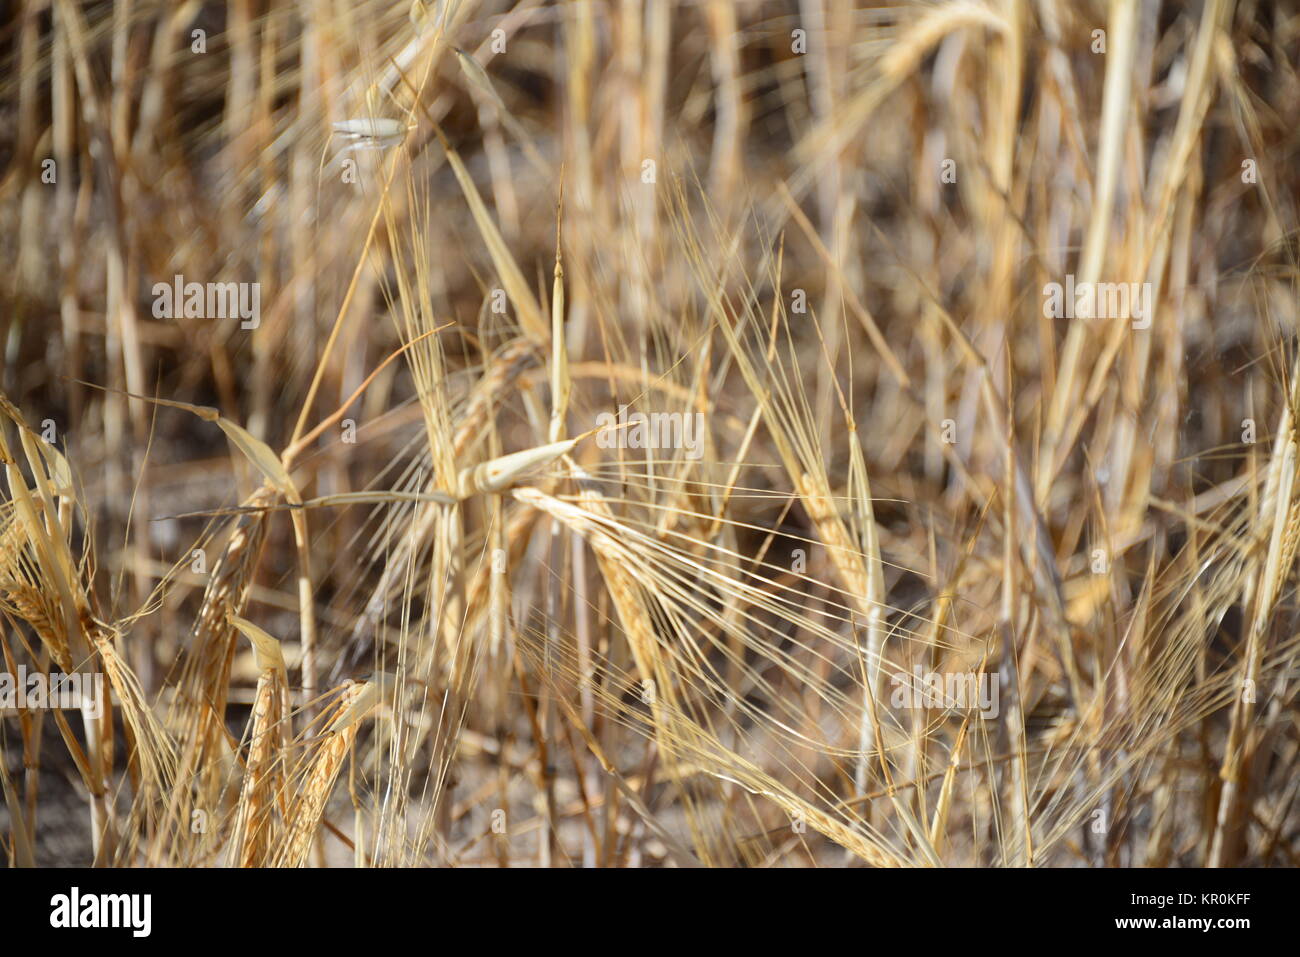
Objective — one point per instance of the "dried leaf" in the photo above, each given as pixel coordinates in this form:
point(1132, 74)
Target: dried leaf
point(499, 473)
point(266, 649)
point(260, 454)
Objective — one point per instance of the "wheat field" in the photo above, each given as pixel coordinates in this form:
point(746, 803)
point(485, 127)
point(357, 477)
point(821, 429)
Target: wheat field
point(649, 433)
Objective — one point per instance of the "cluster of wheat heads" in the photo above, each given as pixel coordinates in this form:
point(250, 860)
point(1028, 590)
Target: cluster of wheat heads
point(652, 445)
